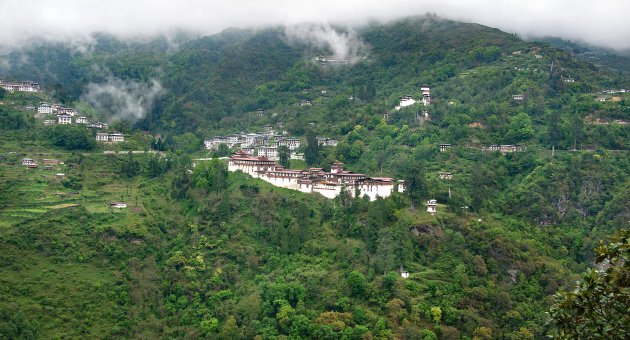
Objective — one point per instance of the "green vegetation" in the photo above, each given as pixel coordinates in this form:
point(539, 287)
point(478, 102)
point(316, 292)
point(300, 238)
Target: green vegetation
point(200, 252)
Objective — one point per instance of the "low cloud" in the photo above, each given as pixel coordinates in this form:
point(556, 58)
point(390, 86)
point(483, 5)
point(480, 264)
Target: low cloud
point(122, 99)
point(602, 22)
point(341, 43)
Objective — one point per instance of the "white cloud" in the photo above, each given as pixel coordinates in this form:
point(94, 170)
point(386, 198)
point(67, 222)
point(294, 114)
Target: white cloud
point(121, 99)
point(600, 22)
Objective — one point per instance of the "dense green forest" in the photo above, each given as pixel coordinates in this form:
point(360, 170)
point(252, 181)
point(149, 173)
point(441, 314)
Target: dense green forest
point(201, 252)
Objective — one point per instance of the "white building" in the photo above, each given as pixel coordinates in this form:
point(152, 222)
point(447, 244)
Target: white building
point(98, 125)
point(270, 152)
point(291, 143)
point(102, 137)
point(518, 97)
point(323, 141)
point(44, 109)
point(82, 120)
point(426, 95)
point(444, 147)
point(116, 137)
point(28, 161)
point(110, 137)
point(49, 122)
point(328, 184)
point(22, 86)
point(64, 119)
point(118, 205)
point(404, 102)
point(432, 206)
point(66, 111)
point(445, 175)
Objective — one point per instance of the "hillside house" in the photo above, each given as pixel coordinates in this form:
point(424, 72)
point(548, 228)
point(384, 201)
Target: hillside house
point(116, 137)
point(444, 147)
point(64, 119)
point(98, 125)
point(28, 161)
point(270, 152)
point(432, 206)
point(102, 137)
point(426, 94)
point(568, 80)
point(48, 122)
point(21, 86)
point(291, 143)
point(518, 97)
point(66, 111)
point(445, 175)
point(323, 141)
point(82, 120)
point(110, 137)
point(403, 273)
point(44, 109)
point(405, 101)
point(505, 148)
point(51, 162)
point(296, 156)
point(118, 205)
point(260, 112)
point(60, 176)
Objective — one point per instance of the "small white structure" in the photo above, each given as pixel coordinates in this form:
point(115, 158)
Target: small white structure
point(270, 152)
point(102, 137)
point(28, 161)
point(50, 122)
point(60, 175)
point(403, 273)
point(82, 120)
point(291, 143)
point(432, 206)
point(110, 137)
point(44, 109)
point(445, 175)
point(444, 147)
point(404, 102)
point(518, 97)
point(118, 205)
point(64, 119)
point(98, 125)
point(323, 141)
point(116, 137)
point(426, 94)
point(21, 86)
point(66, 111)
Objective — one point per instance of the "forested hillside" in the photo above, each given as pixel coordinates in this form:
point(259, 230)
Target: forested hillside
point(201, 252)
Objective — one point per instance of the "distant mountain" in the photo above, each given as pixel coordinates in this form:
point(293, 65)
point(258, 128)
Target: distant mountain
point(600, 56)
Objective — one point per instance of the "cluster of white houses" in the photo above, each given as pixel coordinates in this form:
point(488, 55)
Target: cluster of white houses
point(263, 144)
point(19, 86)
point(65, 115)
point(48, 164)
point(315, 180)
point(408, 100)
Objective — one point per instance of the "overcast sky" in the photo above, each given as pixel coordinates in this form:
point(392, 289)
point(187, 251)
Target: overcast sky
point(601, 22)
